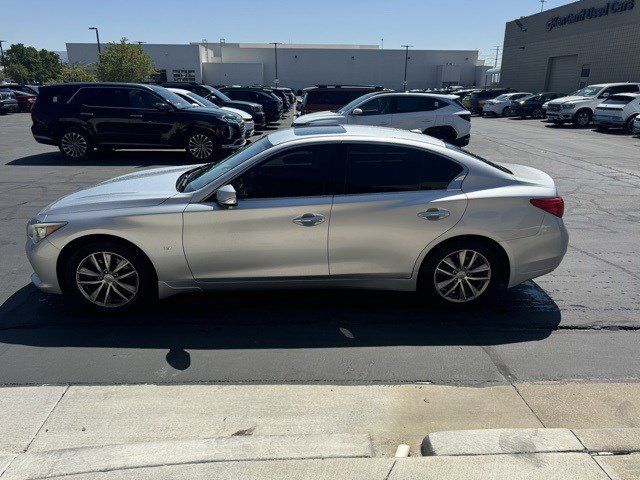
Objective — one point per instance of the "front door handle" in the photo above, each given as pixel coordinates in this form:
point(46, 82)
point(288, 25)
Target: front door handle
point(309, 219)
point(434, 214)
point(135, 116)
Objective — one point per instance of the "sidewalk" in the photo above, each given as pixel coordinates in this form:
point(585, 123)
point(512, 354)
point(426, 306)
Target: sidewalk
point(321, 431)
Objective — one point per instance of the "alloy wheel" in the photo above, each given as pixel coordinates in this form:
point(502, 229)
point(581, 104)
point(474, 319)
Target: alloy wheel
point(537, 113)
point(583, 119)
point(73, 144)
point(200, 146)
point(107, 279)
point(462, 276)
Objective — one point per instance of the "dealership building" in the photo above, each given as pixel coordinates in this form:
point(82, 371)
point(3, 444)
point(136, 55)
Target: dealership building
point(300, 66)
point(565, 48)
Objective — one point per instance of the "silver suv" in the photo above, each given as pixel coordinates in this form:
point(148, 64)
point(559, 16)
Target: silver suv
point(337, 206)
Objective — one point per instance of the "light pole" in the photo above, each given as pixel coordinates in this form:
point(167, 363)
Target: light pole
point(276, 81)
point(2, 54)
point(406, 61)
point(98, 41)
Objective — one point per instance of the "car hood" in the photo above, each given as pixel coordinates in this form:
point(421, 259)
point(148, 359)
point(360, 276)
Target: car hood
point(245, 116)
point(571, 99)
point(140, 189)
point(326, 117)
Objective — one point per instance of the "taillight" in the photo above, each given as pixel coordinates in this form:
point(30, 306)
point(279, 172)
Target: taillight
point(554, 206)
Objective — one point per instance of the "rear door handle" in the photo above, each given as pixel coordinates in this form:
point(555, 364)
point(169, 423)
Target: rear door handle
point(434, 214)
point(309, 219)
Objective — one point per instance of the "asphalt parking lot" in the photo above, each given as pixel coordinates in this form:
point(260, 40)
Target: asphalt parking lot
point(580, 322)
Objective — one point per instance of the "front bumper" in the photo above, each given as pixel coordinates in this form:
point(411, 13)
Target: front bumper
point(43, 257)
point(562, 116)
point(259, 119)
point(249, 128)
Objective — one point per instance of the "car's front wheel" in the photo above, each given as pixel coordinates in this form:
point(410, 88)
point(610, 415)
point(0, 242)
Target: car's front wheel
point(202, 146)
point(507, 111)
point(108, 276)
point(462, 273)
point(582, 118)
point(75, 144)
point(538, 113)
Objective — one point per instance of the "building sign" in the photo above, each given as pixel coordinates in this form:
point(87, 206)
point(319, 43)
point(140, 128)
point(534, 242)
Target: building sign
point(592, 13)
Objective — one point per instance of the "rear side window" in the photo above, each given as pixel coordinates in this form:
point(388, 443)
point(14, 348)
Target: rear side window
point(622, 89)
point(618, 100)
point(418, 104)
point(385, 168)
point(332, 97)
point(102, 97)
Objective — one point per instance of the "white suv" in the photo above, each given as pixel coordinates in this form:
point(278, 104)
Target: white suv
point(440, 116)
point(579, 107)
point(618, 111)
point(502, 105)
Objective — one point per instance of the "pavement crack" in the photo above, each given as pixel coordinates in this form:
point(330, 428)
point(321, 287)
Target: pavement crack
point(47, 418)
point(390, 470)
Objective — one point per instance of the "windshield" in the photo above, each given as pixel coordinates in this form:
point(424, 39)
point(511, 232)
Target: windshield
point(587, 92)
point(201, 100)
point(214, 171)
point(504, 96)
point(352, 104)
point(172, 98)
point(218, 94)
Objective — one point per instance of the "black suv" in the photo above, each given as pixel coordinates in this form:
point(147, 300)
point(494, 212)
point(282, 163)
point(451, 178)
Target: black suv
point(477, 99)
point(272, 105)
point(80, 116)
point(220, 99)
point(532, 106)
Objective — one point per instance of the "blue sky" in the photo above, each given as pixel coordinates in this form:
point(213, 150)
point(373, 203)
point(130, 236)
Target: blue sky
point(427, 24)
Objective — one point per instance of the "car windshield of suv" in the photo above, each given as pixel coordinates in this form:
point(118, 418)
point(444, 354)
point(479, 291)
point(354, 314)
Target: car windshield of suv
point(504, 96)
point(218, 94)
point(172, 98)
point(587, 92)
point(354, 103)
point(205, 102)
point(208, 173)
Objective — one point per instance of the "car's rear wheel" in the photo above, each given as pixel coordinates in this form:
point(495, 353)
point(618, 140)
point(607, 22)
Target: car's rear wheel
point(108, 276)
point(202, 146)
point(75, 144)
point(582, 118)
point(538, 113)
point(462, 273)
point(628, 125)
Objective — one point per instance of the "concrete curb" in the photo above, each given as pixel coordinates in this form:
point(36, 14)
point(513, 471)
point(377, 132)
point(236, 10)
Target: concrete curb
point(500, 441)
point(228, 449)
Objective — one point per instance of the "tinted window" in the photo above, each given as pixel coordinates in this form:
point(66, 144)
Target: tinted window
point(621, 89)
point(618, 100)
point(142, 99)
point(377, 106)
point(332, 97)
point(417, 104)
point(383, 168)
point(103, 97)
point(297, 172)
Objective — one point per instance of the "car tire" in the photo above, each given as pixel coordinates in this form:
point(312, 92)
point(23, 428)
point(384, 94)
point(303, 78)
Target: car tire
point(122, 286)
point(582, 118)
point(202, 146)
point(538, 113)
point(557, 123)
point(628, 125)
point(450, 278)
point(507, 111)
point(75, 144)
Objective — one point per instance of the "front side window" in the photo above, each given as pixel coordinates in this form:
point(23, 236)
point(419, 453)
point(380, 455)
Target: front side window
point(377, 106)
point(417, 103)
point(142, 99)
point(295, 172)
point(375, 168)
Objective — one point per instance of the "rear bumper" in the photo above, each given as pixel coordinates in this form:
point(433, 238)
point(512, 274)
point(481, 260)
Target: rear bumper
point(540, 254)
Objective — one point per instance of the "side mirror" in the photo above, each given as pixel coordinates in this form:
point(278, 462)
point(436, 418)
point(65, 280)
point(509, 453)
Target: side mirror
point(356, 111)
point(605, 95)
point(226, 196)
point(163, 107)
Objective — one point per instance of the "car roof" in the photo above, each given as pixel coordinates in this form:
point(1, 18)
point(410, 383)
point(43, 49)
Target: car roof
point(613, 84)
point(180, 90)
point(444, 96)
point(350, 131)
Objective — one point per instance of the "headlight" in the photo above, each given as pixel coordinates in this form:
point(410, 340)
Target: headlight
point(36, 231)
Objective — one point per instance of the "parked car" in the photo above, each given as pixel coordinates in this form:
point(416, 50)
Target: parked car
point(289, 93)
point(25, 100)
point(533, 106)
point(8, 101)
point(332, 97)
point(199, 101)
point(477, 98)
point(77, 117)
point(503, 104)
point(221, 100)
point(440, 116)
point(271, 104)
point(19, 87)
point(578, 108)
point(340, 206)
point(617, 111)
point(464, 96)
point(286, 104)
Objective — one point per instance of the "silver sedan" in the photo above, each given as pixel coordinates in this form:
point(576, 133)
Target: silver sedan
point(335, 206)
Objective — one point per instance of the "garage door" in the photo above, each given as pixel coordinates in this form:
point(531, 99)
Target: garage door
point(562, 74)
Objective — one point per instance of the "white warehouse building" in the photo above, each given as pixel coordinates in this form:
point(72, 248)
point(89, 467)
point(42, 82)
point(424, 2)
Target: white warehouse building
point(301, 66)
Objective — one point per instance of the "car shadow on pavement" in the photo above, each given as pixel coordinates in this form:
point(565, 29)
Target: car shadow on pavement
point(278, 319)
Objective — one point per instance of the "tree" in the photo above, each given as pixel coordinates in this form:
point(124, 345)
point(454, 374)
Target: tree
point(124, 62)
point(77, 73)
point(26, 64)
